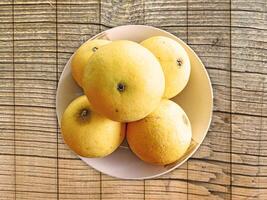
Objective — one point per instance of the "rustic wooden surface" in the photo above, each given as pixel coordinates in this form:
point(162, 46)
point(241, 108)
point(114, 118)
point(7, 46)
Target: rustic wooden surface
point(38, 37)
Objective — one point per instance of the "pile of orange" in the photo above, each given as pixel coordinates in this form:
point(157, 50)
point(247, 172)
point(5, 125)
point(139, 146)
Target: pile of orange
point(127, 88)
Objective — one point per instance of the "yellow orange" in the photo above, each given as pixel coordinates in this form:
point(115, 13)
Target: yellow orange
point(81, 57)
point(174, 61)
point(123, 81)
point(87, 133)
point(163, 136)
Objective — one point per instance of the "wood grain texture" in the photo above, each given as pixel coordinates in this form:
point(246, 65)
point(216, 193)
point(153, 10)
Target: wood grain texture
point(209, 36)
point(167, 15)
point(249, 87)
point(35, 85)
point(7, 158)
point(38, 37)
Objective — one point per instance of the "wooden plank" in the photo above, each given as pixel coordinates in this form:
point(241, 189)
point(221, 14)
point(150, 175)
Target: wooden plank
point(35, 86)
point(7, 158)
point(259, 5)
point(248, 54)
point(210, 166)
point(248, 167)
point(213, 5)
point(166, 189)
point(249, 163)
point(249, 102)
point(77, 180)
point(116, 13)
point(203, 17)
point(113, 188)
point(172, 185)
point(36, 177)
point(7, 185)
point(209, 36)
point(168, 15)
point(77, 21)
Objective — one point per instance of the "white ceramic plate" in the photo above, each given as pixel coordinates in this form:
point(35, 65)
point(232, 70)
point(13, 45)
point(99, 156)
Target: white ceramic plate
point(196, 99)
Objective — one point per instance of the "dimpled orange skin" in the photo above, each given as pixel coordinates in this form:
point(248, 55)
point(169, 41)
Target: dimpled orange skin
point(91, 135)
point(174, 61)
point(163, 136)
point(123, 81)
point(81, 57)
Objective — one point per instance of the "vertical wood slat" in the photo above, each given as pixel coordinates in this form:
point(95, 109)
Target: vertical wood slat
point(209, 36)
point(249, 102)
point(7, 157)
point(77, 21)
point(35, 89)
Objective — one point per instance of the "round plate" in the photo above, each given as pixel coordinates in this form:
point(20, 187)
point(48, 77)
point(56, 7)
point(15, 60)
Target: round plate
point(196, 99)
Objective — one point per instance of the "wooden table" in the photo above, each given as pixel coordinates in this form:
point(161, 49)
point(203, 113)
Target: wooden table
point(38, 37)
